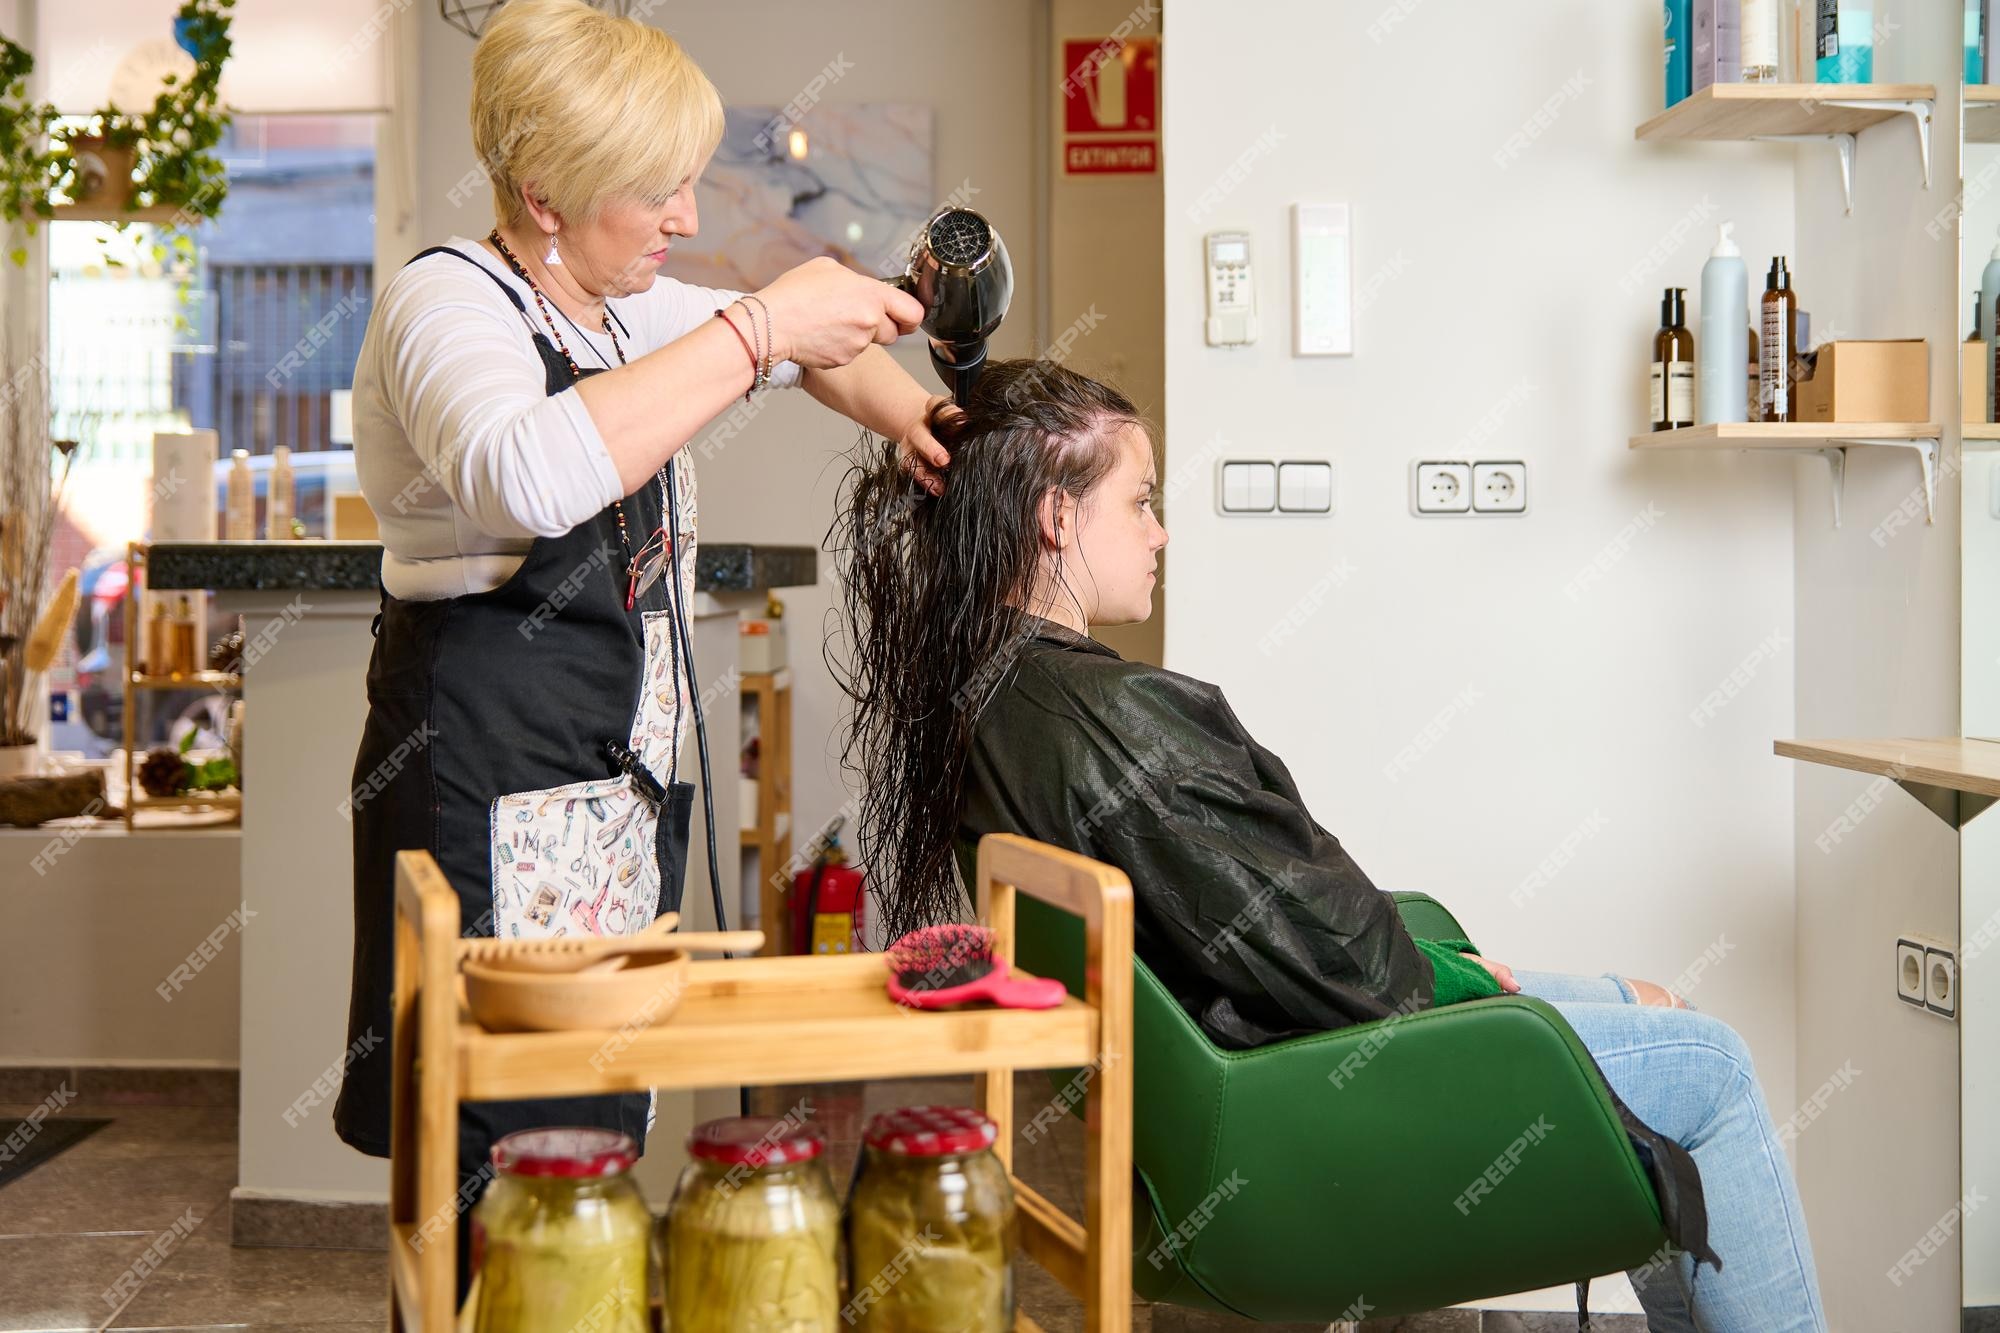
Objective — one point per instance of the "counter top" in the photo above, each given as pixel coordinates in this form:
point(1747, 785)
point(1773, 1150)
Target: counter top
point(263, 566)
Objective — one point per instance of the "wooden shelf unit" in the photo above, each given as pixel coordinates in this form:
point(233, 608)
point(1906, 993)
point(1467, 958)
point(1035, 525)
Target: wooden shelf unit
point(137, 683)
point(1828, 439)
point(1956, 777)
point(771, 839)
point(775, 1020)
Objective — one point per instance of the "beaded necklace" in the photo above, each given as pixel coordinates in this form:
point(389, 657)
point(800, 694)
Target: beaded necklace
point(632, 565)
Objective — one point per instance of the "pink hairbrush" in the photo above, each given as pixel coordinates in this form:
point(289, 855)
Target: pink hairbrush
point(941, 967)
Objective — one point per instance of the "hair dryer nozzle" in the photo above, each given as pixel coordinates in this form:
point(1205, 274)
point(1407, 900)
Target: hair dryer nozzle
point(960, 272)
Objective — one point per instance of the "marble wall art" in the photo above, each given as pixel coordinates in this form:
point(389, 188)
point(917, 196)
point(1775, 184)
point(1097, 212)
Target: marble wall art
point(859, 193)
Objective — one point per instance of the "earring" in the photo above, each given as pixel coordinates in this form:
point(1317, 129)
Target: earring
point(552, 259)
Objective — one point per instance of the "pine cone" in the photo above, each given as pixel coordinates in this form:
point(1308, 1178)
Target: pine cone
point(226, 653)
point(162, 773)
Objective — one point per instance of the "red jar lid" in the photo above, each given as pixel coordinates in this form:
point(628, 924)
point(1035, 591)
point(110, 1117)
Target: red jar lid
point(931, 1131)
point(755, 1140)
point(574, 1152)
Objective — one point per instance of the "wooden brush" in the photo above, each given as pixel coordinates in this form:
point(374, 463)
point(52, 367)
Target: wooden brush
point(569, 953)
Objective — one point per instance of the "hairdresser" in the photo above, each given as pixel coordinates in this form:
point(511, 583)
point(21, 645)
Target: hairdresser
point(521, 407)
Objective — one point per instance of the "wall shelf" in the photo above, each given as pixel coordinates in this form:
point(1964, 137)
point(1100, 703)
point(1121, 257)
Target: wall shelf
point(190, 680)
point(1982, 113)
point(1956, 777)
point(1798, 112)
point(1979, 435)
point(1829, 439)
point(158, 215)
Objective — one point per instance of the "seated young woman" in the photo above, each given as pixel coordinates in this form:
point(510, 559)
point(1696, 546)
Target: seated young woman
point(981, 704)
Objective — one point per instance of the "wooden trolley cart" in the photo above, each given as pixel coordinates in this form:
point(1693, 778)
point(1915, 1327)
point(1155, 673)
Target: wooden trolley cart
point(774, 1021)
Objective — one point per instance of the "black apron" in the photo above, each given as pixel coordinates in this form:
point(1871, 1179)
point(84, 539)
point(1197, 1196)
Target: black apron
point(485, 746)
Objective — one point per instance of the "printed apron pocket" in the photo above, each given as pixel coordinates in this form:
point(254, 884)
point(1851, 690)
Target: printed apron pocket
point(580, 859)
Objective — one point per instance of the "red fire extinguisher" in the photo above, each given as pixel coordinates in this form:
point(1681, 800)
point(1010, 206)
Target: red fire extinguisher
point(827, 901)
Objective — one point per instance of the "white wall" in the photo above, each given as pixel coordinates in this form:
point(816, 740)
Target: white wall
point(1512, 317)
point(1878, 621)
point(776, 481)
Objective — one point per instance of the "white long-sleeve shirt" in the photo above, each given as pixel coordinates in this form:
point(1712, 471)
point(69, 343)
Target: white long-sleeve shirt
point(461, 453)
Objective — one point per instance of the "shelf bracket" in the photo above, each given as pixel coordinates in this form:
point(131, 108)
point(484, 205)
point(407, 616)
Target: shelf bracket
point(1954, 807)
point(1843, 145)
point(1836, 464)
point(1920, 111)
point(1927, 458)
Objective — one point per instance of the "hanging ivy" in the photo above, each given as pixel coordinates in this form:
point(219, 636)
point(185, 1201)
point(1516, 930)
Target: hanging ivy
point(173, 140)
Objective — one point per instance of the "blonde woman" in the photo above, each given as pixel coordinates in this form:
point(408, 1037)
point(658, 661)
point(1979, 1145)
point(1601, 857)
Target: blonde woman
point(521, 404)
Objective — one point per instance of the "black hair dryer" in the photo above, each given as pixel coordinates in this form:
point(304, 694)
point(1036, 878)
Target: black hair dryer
point(959, 270)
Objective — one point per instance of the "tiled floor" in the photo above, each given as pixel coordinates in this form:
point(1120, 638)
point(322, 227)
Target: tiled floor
point(130, 1228)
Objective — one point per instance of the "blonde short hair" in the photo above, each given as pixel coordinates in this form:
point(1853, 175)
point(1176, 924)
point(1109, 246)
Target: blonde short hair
point(588, 107)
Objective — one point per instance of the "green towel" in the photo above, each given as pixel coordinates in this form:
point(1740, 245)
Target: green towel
point(1457, 977)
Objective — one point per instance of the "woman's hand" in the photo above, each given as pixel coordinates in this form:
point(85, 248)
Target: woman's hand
point(824, 314)
point(1501, 973)
point(921, 454)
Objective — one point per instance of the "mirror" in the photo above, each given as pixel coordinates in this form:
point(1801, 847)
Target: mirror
point(1979, 658)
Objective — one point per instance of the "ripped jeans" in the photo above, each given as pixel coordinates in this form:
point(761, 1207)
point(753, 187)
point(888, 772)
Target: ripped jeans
point(1689, 1077)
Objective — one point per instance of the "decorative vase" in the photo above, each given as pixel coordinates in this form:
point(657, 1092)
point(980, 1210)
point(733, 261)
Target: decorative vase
point(103, 177)
point(20, 760)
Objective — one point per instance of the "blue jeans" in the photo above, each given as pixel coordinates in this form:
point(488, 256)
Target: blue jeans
point(1689, 1077)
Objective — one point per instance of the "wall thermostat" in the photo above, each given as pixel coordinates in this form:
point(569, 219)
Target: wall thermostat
point(1232, 295)
point(1323, 275)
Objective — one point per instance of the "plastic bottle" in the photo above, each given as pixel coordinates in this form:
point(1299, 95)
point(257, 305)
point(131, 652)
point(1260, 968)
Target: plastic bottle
point(1751, 409)
point(281, 501)
point(1778, 377)
point(1989, 294)
point(240, 512)
point(1759, 31)
point(1725, 302)
point(1673, 365)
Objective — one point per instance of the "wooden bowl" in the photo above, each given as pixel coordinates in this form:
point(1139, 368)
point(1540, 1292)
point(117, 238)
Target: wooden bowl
point(508, 998)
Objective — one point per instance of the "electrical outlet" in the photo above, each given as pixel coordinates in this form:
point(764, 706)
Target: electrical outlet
point(1941, 982)
point(1499, 488)
point(1441, 488)
point(1910, 972)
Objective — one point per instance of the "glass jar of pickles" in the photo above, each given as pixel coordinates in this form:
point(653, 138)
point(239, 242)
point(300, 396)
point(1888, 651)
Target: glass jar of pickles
point(753, 1235)
point(930, 1226)
point(563, 1234)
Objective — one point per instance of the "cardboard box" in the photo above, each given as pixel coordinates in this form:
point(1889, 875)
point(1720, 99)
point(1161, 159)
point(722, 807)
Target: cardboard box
point(1975, 379)
point(1868, 381)
point(1716, 52)
point(353, 520)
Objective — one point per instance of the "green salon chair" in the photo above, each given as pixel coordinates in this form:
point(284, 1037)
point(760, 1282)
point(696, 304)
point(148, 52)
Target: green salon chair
point(1379, 1170)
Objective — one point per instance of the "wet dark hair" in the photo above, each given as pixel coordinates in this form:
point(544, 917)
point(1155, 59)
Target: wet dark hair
point(936, 606)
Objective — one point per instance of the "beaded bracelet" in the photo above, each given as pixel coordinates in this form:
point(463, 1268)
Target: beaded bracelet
point(769, 343)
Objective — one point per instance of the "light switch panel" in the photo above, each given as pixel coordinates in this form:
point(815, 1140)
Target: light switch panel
point(1305, 488)
point(1249, 487)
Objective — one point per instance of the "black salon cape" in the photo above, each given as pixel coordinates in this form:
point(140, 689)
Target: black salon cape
point(1253, 916)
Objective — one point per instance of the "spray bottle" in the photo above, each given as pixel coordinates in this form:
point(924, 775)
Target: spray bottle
point(1720, 350)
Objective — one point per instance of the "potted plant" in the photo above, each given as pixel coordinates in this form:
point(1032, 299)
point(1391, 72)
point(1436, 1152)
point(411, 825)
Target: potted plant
point(119, 161)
